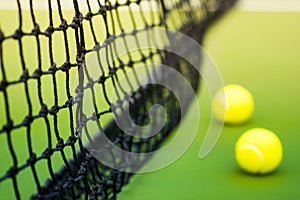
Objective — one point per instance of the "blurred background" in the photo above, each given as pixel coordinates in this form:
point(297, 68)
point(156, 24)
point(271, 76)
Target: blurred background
point(256, 45)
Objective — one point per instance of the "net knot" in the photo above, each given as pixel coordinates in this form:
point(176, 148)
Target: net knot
point(60, 144)
point(90, 83)
point(121, 65)
point(88, 16)
point(80, 58)
point(66, 66)
point(53, 110)
point(36, 30)
point(49, 31)
point(94, 116)
point(24, 75)
point(77, 21)
point(71, 140)
point(143, 59)
point(130, 63)
point(151, 54)
point(112, 70)
point(69, 102)
point(122, 34)
point(47, 153)
point(37, 73)
point(102, 79)
point(110, 38)
point(102, 10)
point(97, 47)
point(27, 121)
point(32, 159)
point(8, 126)
point(134, 32)
point(52, 68)
point(12, 172)
point(3, 85)
point(106, 43)
point(64, 25)
point(44, 111)
point(18, 34)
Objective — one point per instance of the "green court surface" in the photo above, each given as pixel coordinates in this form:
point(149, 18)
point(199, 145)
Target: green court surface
point(261, 52)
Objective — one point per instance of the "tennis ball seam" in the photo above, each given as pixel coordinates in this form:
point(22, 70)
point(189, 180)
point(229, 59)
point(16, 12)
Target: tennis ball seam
point(258, 152)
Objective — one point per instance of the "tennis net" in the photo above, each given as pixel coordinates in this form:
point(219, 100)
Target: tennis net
point(52, 53)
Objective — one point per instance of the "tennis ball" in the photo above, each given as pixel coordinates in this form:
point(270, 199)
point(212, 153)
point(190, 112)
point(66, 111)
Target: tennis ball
point(258, 151)
point(233, 104)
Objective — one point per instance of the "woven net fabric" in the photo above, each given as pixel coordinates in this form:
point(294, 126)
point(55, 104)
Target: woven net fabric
point(44, 70)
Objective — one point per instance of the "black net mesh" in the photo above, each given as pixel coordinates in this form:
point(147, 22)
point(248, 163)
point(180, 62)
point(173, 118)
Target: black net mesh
point(44, 71)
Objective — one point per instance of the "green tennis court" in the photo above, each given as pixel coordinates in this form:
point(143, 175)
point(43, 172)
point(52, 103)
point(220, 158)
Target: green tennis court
point(259, 50)
point(255, 45)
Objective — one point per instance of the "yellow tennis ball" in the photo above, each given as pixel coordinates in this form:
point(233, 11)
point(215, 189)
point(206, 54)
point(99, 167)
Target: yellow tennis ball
point(258, 151)
point(233, 104)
